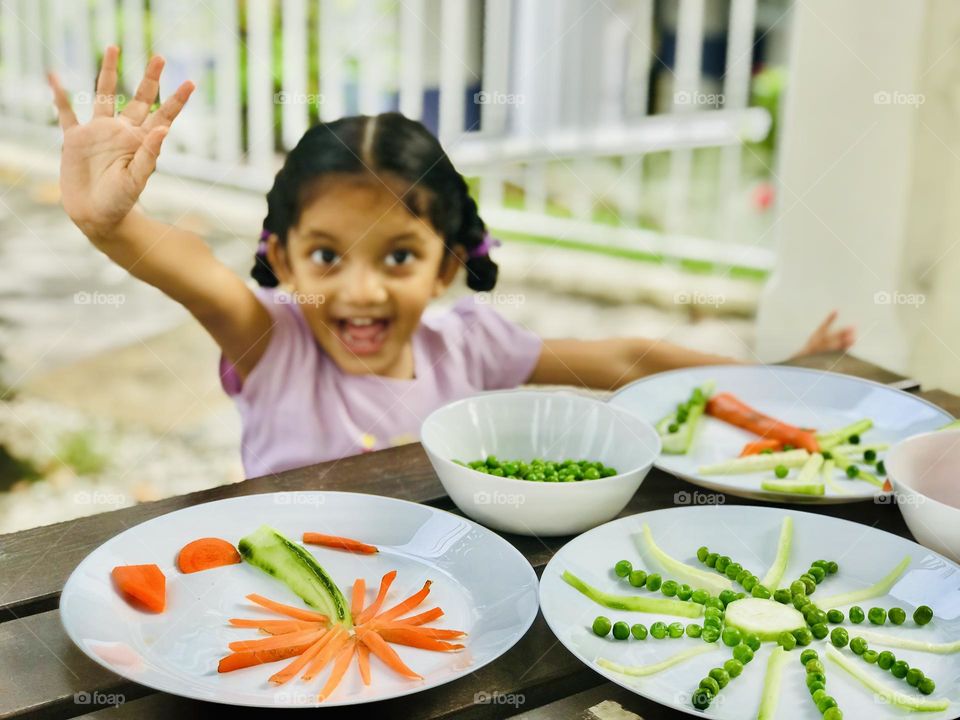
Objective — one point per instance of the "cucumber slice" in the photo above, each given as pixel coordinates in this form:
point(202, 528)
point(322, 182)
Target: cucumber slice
point(634, 603)
point(881, 587)
point(882, 690)
point(771, 684)
point(644, 670)
point(756, 463)
point(828, 471)
point(895, 641)
point(832, 438)
point(765, 618)
point(775, 573)
point(296, 567)
point(843, 462)
point(792, 486)
point(714, 582)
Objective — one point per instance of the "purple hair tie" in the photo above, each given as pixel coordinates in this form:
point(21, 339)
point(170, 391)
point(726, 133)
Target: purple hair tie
point(262, 245)
point(483, 249)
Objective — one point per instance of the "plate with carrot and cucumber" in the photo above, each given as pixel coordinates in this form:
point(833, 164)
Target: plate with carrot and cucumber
point(300, 599)
point(778, 433)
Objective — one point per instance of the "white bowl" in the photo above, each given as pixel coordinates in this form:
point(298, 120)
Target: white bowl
point(525, 424)
point(925, 472)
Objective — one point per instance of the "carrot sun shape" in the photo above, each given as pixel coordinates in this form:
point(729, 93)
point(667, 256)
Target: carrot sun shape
point(728, 408)
point(145, 584)
point(339, 543)
point(374, 607)
point(206, 553)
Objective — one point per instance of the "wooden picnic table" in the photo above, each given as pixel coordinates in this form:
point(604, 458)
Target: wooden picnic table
point(42, 673)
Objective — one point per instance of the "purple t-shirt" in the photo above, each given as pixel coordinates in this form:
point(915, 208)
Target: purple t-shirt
point(298, 407)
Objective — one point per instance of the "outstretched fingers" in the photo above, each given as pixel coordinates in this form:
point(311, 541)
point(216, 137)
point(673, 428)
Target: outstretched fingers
point(105, 103)
point(164, 115)
point(65, 113)
point(145, 159)
point(138, 108)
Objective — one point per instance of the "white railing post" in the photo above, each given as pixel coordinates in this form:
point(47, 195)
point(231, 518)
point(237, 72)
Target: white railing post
point(412, 38)
point(453, 31)
point(227, 82)
point(294, 112)
point(495, 79)
point(260, 88)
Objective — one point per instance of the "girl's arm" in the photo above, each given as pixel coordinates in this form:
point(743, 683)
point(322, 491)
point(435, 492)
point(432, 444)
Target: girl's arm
point(609, 364)
point(104, 168)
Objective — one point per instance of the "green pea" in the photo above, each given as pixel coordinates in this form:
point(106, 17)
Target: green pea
point(701, 698)
point(721, 676)
point(492, 461)
point(914, 676)
point(733, 667)
point(752, 641)
point(800, 600)
point(714, 602)
point(782, 596)
point(897, 615)
point(637, 578)
point(835, 616)
point(818, 694)
point(712, 612)
point(653, 582)
point(711, 560)
point(621, 631)
point(819, 631)
point(926, 686)
point(659, 630)
point(731, 636)
point(815, 684)
point(684, 592)
point(854, 440)
point(869, 455)
point(743, 653)
point(710, 685)
point(825, 703)
point(702, 553)
point(722, 563)
point(710, 634)
point(742, 575)
point(881, 468)
point(886, 660)
point(817, 616)
point(700, 596)
point(814, 666)
point(869, 656)
point(833, 713)
point(798, 588)
point(786, 640)
point(808, 655)
point(900, 669)
point(809, 583)
point(760, 591)
point(675, 629)
point(804, 636)
point(713, 622)
point(858, 646)
point(750, 582)
point(876, 615)
point(839, 637)
point(727, 596)
point(856, 614)
point(693, 630)
point(852, 471)
point(781, 471)
point(922, 615)
point(832, 568)
point(669, 588)
point(591, 474)
point(601, 626)
point(817, 573)
point(732, 570)
point(639, 631)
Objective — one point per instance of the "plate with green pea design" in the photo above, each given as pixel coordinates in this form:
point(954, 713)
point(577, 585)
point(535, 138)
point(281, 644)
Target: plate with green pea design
point(821, 401)
point(642, 600)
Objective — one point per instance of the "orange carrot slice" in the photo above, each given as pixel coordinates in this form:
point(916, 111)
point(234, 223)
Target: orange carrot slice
point(340, 543)
point(289, 610)
point(145, 584)
point(327, 654)
point(206, 553)
point(359, 592)
point(379, 647)
point(422, 618)
point(407, 605)
point(236, 661)
point(728, 408)
point(758, 446)
point(412, 638)
point(340, 665)
point(363, 662)
point(276, 627)
point(374, 608)
point(277, 641)
point(435, 633)
point(291, 670)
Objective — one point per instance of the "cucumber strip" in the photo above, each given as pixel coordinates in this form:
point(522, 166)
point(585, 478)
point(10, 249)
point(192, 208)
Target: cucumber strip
point(843, 462)
point(792, 486)
point(679, 442)
point(810, 470)
point(771, 684)
point(644, 670)
point(903, 643)
point(634, 603)
point(862, 448)
point(756, 463)
point(829, 467)
point(775, 574)
point(840, 435)
point(696, 577)
point(881, 587)
point(882, 690)
point(765, 618)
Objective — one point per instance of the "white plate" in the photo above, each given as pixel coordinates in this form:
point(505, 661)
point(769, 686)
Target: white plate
point(798, 396)
point(485, 586)
point(749, 535)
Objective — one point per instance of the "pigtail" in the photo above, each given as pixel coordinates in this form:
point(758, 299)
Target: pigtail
point(481, 270)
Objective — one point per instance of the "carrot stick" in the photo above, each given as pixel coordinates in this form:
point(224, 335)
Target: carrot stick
point(206, 553)
point(435, 633)
point(422, 618)
point(278, 641)
point(379, 647)
point(238, 660)
point(359, 592)
point(758, 446)
point(409, 636)
point(728, 408)
point(340, 543)
point(275, 627)
point(340, 665)
point(291, 670)
point(289, 610)
point(363, 662)
point(373, 609)
point(327, 654)
point(406, 606)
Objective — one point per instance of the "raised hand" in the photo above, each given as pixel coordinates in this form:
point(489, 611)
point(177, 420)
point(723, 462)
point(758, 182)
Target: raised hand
point(105, 164)
point(825, 338)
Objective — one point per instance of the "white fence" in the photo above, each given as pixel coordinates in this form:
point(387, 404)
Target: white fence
point(519, 91)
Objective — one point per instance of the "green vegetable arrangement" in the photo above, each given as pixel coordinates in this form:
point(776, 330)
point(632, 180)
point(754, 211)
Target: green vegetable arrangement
point(765, 610)
point(541, 470)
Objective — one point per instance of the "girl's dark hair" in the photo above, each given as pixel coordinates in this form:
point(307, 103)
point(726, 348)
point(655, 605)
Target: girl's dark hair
point(392, 147)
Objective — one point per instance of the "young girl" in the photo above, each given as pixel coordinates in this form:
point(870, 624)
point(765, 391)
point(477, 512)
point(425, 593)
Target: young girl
point(367, 222)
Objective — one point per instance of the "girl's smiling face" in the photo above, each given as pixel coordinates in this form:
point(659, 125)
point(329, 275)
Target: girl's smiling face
point(363, 268)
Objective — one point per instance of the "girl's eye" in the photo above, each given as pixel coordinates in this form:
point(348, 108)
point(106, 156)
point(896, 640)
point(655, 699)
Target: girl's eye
point(324, 256)
point(399, 257)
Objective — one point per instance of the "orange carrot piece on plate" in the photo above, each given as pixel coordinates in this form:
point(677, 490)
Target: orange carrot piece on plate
point(359, 592)
point(206, 553)
point(406, 606)
point(424, 617)
point(276, 627)
point(412, 638)
point(758, 446)
point(340, 665)
point(289, 610)
point(374, 608)
point(728, 408)
point(435, 633)
point(146, 584)
point(327, 654)
point(238, 660)
point(379, 647)
point(363, 662)
point(291, 670)
point(338, 543)
point(277, 641)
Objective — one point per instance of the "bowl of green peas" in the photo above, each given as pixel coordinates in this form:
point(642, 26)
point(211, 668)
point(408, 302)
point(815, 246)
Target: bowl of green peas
point(534, 462)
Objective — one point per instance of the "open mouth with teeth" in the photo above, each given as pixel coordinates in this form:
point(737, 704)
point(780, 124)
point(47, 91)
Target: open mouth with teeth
point(363, 336)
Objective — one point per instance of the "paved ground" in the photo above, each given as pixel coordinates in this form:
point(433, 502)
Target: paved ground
point(112, 377)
